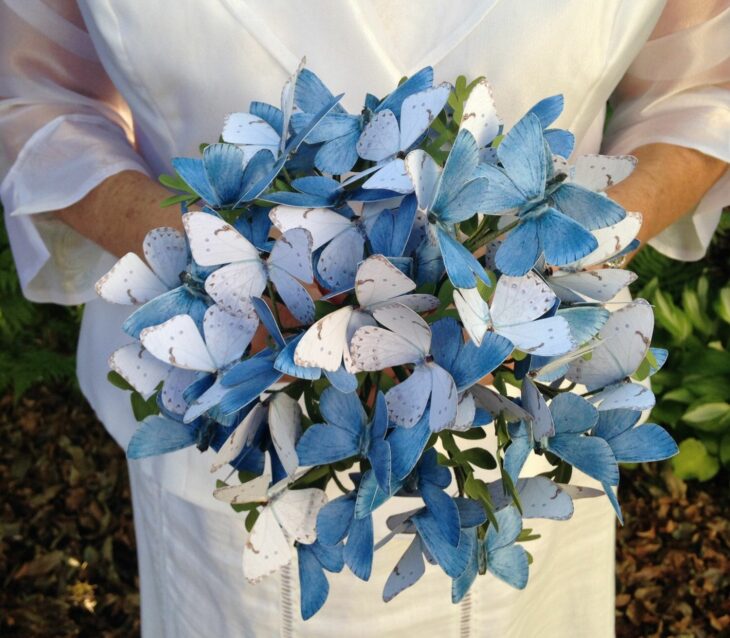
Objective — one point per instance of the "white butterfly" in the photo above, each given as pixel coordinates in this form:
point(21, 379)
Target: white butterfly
point(517, 304)
point(407, 339)
point(345, 239)
point(599, 172)
point(131, 281)
point(287, 516)
point(253, 133)
point(178, 342)
point(284, 417)
point(540, 497)
point(378, 282)
point(580, 281)
point(480, 117)
point(214, 242)
point(144, 373)
point(383, 139)
point(627, 336)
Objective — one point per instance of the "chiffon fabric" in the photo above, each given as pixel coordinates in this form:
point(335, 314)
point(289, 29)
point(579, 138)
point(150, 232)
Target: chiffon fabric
point(91, 88)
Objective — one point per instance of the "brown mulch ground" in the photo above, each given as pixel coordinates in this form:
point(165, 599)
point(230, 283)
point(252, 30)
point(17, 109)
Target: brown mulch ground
point(67, 558)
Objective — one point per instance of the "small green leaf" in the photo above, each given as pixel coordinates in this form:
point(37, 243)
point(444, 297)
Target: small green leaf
point(141, 408)
point(706, 412)
point(722, 304)
point(694, 461)
point(472, 434)
point(251, 519)
point(479, 457)
point(176, 199)
point(118, 381)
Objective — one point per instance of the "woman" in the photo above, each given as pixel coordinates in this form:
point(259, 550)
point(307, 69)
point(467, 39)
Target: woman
point(100, 95)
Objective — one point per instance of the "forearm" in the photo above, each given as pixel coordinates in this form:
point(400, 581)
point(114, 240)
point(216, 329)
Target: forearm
point(118, 212)
point(667, 184)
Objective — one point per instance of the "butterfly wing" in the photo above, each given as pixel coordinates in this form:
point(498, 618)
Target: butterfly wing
point(159, 435)
point(629, 330)
point(166, 251)
point(233, 286)
point(285, 427)
point(380, 139)
point(520, 300)
point(323, 345)
point(378, 280)
point(407, 571)
point(267, 549)
point(139, 368)
point(599, 172)
point(408, 399)
point(480, 116)
point(241, 437)
point(522, 153)
point(179, 343)
point(591, 285)
point(418, 111)
point(213, 241)
point(227, 336)
point(130, 281)
point(296, 511)
point(424, 173)
point(322, 223)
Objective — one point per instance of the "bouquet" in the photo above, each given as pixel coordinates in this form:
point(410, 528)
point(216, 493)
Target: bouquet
point(359, 297)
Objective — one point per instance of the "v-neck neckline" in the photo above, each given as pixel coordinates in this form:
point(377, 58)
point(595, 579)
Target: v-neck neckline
point(368, 21)
point(363, 11)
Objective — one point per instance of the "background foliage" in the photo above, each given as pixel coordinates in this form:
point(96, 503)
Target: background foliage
point(692, 312)
point(37, 341)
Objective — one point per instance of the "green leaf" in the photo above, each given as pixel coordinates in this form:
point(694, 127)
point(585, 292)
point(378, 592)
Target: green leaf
point(323, 308)
point(141, 408)
point(251, 519)
point(671, 318)
point(119, 381)
point(725, 450)
point(695, 312)
point(479, 457)
point(694, 461)
point(472, 434)
point(706, 412)
point(681, 395)
point(176, 199)
point(722, 304)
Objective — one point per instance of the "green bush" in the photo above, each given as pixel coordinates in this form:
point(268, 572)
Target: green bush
point(37, 341)
point(692, 311)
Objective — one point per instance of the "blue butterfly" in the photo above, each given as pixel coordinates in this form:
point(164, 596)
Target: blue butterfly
point(497, 553)
point(163, 434)
point(554, 217)
point(339, 132)
point(561, 142)
point(447, 197)
point(225, 178)
point(562, 429)
point(314, 560)
point(466, 363)
point(337, 520)
point(429, 545)
point(631, 443)
point(347, 433)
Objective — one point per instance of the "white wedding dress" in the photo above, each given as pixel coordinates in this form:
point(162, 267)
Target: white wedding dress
point(135, 83)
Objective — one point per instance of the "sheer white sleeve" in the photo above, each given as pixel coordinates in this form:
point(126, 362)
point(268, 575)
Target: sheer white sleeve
point(677, 91)
point(63, 130)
